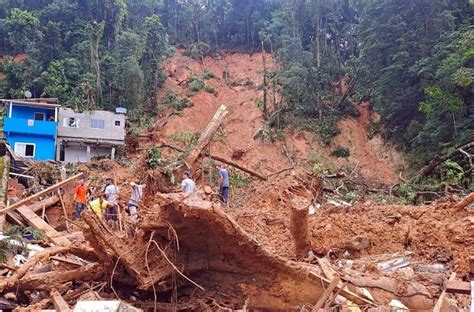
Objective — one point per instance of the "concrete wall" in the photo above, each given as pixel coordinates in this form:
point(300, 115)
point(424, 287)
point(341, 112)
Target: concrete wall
point(110, 132)
point(78, 154)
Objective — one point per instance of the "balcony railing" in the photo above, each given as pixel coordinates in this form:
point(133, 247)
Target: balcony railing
point(29, 126)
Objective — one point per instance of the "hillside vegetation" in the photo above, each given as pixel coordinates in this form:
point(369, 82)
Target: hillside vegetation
point(412, 60)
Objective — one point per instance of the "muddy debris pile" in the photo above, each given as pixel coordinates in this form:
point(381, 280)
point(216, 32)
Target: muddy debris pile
point(191, 253)
point(281, 247)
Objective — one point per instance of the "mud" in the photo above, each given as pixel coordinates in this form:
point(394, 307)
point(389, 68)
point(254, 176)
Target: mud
point(238, 82)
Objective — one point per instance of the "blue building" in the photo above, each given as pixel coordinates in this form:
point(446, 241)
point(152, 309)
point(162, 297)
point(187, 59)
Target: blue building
point(30, 128)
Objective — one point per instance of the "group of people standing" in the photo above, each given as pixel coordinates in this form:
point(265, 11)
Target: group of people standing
point(105, 203)
point(189, 186)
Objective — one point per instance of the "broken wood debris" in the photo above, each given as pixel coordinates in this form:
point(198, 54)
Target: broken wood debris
point(327, 293)
point(50, 189)
point(440, 302)
point(59, 303)
point(36, 222)
point(458, 287)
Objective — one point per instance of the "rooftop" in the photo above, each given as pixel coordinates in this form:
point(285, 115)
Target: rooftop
point(24, 102)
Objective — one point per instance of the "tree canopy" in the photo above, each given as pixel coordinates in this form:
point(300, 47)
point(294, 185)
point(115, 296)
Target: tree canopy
point(412, 60)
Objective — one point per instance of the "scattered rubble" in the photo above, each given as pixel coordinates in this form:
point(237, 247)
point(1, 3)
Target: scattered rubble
point(287, 240)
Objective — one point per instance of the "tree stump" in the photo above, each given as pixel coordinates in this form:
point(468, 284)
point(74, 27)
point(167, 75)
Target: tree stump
point(299, 225)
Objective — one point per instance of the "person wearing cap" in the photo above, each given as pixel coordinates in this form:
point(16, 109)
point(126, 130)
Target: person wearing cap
point(188, 184)
point(135, 198)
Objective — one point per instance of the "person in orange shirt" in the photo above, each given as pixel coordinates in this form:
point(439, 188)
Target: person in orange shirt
point(80, 197)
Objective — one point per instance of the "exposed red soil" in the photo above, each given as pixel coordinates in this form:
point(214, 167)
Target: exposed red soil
point(17, 59)
point(375, 160)
point(433, 233)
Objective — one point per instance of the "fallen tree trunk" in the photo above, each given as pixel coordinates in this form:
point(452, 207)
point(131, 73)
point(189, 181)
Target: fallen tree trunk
point(413, 295)
point(225, 161)
point(469, 199)
point(54, 279)
point(435, 162)
point(214, 252)
point(206, 135)
point(79, 250)
point(46, 203)
point(236, 165)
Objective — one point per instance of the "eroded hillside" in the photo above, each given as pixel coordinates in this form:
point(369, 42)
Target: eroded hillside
point(238, 84)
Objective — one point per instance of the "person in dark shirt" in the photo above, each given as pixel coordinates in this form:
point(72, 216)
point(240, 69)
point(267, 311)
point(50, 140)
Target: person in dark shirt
point(224, 184)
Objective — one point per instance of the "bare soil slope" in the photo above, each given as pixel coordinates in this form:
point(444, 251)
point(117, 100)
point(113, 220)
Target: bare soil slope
point(238, 80)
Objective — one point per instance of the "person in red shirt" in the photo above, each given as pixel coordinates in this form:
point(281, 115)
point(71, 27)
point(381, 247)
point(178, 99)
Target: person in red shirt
point(80, 197)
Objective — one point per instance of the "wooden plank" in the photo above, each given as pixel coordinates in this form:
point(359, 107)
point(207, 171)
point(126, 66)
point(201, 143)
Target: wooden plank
point(27, 200)
point(36, 222)
point(64, 209)
point(326, 294)
point(439, 303)
point(14, 217)
point(345, 292)
point(457, 287)
point(327, 269)
point(59, 303)
point(46, 203)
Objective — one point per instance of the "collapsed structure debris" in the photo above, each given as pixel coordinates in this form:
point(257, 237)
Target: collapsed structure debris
point(186, 248)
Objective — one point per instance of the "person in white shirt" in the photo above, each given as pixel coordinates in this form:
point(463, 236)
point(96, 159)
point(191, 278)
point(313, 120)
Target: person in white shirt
point(188, 184)
point(111, 193)
point(135, 199)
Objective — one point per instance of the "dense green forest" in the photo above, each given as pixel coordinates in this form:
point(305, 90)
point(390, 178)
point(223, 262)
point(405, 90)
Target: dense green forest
point(413, 60)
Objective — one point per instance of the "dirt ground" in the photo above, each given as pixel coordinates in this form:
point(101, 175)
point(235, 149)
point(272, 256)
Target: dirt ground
point(434, 234)
point(376, 160)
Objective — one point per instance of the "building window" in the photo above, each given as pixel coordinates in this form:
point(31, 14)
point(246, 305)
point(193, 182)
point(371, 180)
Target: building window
point(117, 123)
point(71, 122)
point(97, 124)
point(40, 116)
point(25, 149)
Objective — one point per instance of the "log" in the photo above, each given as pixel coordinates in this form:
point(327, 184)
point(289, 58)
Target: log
point(326, 294)
point(58, 302)
point(466, 201)
point(228, 162)
point(226, 252)
point(54, 279)
point(47, 203)
point(236, 165)
point(42, 256)
point(439, 303)
point(67, 260)
point(27, 200)
point(206, 135)
point(299, 225)
point(435, 162)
